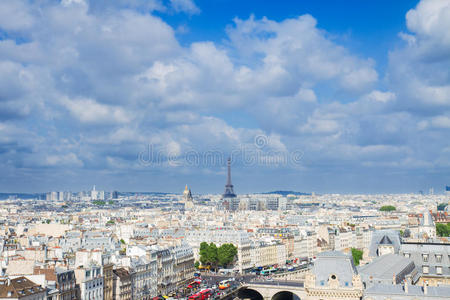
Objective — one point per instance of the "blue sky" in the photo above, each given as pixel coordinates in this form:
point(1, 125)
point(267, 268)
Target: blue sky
point(150, 95)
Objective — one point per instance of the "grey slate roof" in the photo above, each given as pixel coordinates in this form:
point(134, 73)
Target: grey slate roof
point(386, 241)
point(337, 263)
point(413, 290)
point(416, 252)
point(380, 235)
point(384, 267)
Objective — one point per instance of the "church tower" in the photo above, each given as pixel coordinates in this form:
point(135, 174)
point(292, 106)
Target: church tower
point(187, 199)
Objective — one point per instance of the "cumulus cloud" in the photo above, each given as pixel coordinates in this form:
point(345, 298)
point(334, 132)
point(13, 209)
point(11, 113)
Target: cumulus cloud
point(15, 16)
point(441, 122)
point(187, 6)
point(379, 96)
point(431, 20)
point(420, 70)
point(296, 52)
point(65, 160)
point(88, 85)
point(90, 111)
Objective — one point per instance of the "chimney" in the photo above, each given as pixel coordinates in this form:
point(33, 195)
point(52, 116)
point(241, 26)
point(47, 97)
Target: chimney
point(405, 285)
point(425, 287)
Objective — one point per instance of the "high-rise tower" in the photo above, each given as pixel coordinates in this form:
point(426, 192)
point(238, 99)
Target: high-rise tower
point(229, 199)
point(229, 192)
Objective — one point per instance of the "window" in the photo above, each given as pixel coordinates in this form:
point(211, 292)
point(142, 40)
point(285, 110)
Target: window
point(425, 269)
point(439, 270)
point(406, 255)
point(425, 257)
point(439, 258)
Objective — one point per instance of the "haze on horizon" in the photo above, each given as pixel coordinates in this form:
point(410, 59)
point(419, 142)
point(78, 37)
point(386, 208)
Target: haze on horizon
point(152, 95)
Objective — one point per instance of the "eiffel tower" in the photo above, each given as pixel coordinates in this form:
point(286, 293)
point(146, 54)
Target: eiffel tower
point(229, 192)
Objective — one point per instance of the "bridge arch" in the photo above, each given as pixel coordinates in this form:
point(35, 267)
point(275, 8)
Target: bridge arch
point(285, 295)
point(247, 293)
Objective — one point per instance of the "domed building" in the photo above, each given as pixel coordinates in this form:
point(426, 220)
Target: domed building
point(187, 199)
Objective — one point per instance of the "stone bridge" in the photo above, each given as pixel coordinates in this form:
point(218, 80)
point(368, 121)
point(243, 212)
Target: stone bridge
point(273, 290)
point(297, 275)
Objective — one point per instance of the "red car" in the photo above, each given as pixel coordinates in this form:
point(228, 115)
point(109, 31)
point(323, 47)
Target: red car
point(206, 294)
point(197, 296)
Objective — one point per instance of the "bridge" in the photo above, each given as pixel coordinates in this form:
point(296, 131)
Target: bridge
point(297, 275)
point(272, 290)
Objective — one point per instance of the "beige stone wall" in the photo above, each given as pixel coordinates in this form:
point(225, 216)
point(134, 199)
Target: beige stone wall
point(54, 230)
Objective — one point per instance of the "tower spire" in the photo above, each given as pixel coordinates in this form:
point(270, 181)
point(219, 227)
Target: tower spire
point(229, 192)
point(229, 172)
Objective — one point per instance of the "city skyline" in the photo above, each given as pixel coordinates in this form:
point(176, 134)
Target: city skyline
point(308, 96)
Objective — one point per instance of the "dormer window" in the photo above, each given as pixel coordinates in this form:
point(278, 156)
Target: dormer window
point(425, 257)
point(439, 258)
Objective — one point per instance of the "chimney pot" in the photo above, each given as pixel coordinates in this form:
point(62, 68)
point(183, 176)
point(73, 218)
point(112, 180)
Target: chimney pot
point(425, 287)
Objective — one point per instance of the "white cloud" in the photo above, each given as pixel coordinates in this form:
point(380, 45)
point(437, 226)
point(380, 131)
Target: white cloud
point(64, 160)
point(320, 126)
point(431, 20)
point(379, 96)
point(90, 111)
point(419, 72)
point(294, 52)
point(441, 122)
point(187, 6)
point(307, 95)
point(90, 87)
point(15, 15)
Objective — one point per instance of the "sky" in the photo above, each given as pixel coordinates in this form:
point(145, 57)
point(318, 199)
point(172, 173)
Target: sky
point(149, 95)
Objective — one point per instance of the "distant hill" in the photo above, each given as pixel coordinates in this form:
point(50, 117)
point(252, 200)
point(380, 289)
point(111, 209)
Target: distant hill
point(285, 193)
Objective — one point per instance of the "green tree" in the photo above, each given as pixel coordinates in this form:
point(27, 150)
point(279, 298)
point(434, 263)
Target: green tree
point(197, 264)
point(122, 241)
point(226, 254)
point(357, 255)
point(208, 254)
point(212, 255)
point(443, 229)
point(387, 208)
point(442, 206)
point(204, 253)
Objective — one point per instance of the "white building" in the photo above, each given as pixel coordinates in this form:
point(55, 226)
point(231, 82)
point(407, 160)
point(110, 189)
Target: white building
point(239, 238)
point(90, 282)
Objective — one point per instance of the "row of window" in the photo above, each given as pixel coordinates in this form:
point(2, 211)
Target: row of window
point(426, 257)
point(94, 284)
point(426, 270)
